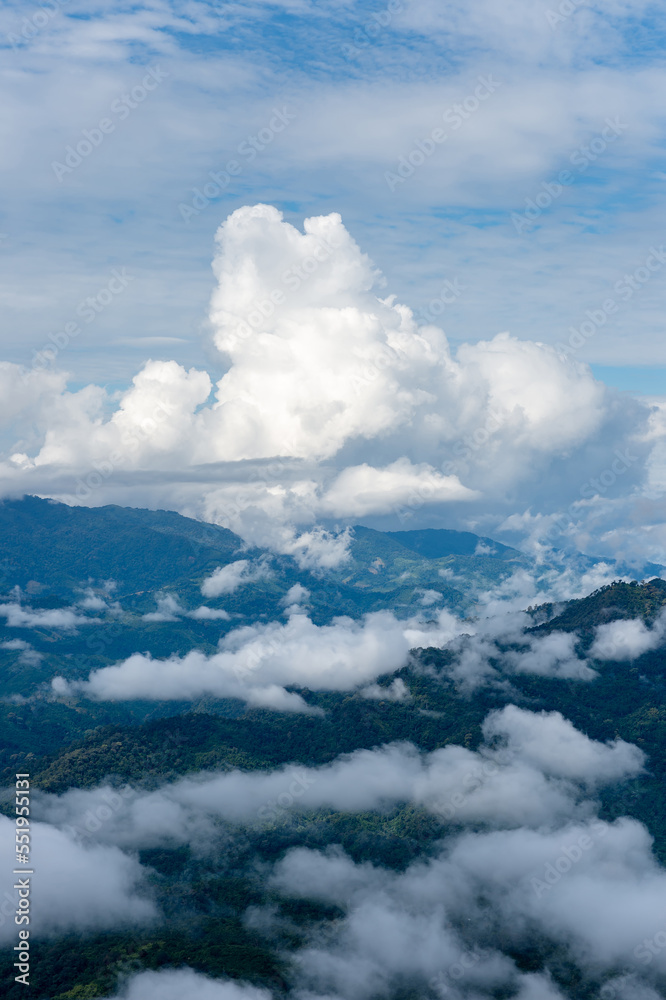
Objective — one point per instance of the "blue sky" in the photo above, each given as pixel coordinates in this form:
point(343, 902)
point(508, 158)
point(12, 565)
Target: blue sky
point(365, 83)
point(501, 166)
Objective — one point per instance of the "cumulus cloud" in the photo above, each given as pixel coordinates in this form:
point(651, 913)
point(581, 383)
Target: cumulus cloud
point(592, 889)
point(335, 403)
point(204, 613)
point(527, 860)
point(397, 690)
point(488, 651)
point(551, 655)
point(298, 594)
point(362, 490)
point(256, 662)
point(168, 610)
point(227, 579)
point(23, 617)
point(27, 654)
point(556, 747)
point(627, 639)
point(108, 883)
point(92, 601)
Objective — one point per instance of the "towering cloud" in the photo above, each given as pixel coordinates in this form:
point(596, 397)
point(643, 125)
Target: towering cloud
point(335, 403)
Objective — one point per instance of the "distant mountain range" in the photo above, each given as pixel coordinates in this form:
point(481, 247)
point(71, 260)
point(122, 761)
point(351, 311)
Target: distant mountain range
point(52, 551)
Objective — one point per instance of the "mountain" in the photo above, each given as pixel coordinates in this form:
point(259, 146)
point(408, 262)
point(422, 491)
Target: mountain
point(53, 551)
point(435, 543)
point(46, 546)
point(403, 564)
point(126, 560)
point(619, 600)
point(221, 911)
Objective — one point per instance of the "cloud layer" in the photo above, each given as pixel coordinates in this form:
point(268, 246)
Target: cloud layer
point(534, 770)
point(525, 860)
point(110, 888)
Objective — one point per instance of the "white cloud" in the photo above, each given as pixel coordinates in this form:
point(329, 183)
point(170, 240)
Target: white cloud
point(22, 617)
point(535, 865)
point(27, 655)
point(537, 779)
point(227, 579)
point(556, 747)
point(336, 403)
point(205, 613)
point(298, 594)
point(109, 885)
point(551, 655)
point(397, 690)
point(627, 639)
point(601, 898)
point(168, 610)
point(92, 601)
point(363, 490)
point(256, 662)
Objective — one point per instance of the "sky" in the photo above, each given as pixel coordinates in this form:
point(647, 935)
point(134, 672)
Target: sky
point(497, 169)
point(292, 266)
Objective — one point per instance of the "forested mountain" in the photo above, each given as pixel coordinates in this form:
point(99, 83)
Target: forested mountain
point(101, 586)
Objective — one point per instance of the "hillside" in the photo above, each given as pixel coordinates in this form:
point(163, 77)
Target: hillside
point(54, 551)
point(220, 911)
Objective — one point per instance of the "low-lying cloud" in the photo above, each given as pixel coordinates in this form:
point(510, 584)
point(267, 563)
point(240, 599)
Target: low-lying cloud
point(227, 579)
point(110, 887)
point(257, 662)
point(526, 860)
point(535, 770)
point(628, 639)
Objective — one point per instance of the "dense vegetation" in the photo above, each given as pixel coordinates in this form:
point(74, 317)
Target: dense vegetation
point(67, 743)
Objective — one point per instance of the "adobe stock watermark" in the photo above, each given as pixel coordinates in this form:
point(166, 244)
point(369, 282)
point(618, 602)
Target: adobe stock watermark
point(650, 947)
point(88, 310)
point(571, 854)
point(455, 117)
point(277, 809)
point(564, 11)
point(93, 138)
point(131, 439)
point(581, 159)
point(447, 981)
point(625, 289)
point(292, 279)
point(249, 149)
point(593, 487)
point(645, 953)
point(94, 819)
point(385, 357)
point(33, 24)
point(368, 33)
point(449, 293)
